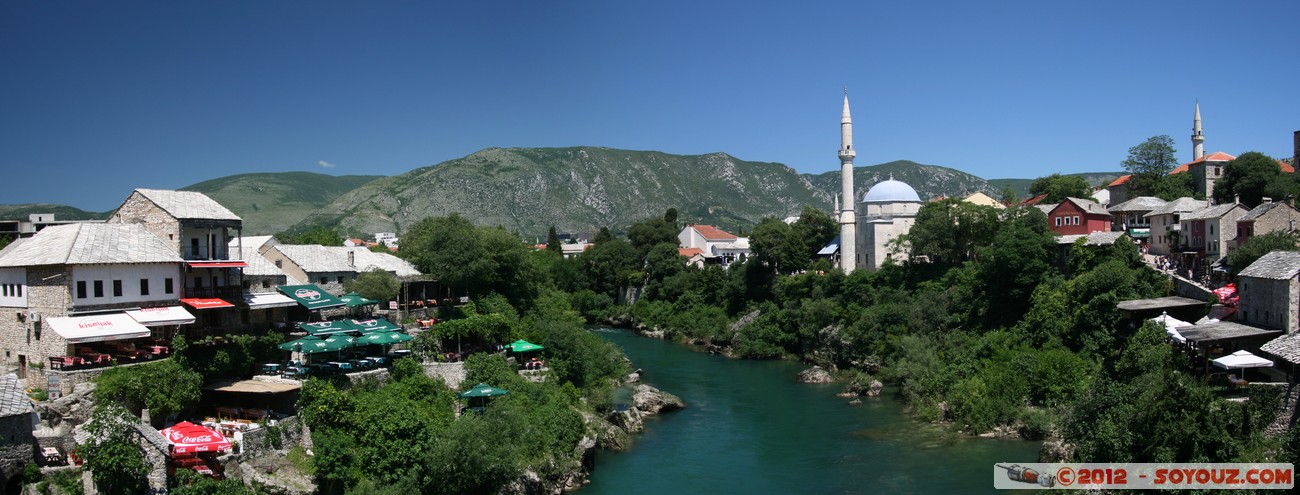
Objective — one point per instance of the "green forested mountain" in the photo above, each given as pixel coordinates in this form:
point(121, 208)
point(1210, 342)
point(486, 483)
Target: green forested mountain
point(582, 188)
point(61, 212)
point(272, 202)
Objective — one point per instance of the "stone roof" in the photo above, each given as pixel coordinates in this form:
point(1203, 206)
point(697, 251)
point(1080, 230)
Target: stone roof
point(1211, 212)
point(1277, 265)
point(188, 204)
point(1047, 208)
point(314, 258)
point(367, 260)
point(1223, 330)
point(1260, 210)
point(1140, 203)
point(254, 241)
point(13, 400)
point(90, 244)
point(1180, 205)
point(1094, 239)
point(1088, 206)
point(1286, 348)
point(258, 266)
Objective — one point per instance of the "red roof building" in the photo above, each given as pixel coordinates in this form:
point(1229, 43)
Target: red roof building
point(1078, 216)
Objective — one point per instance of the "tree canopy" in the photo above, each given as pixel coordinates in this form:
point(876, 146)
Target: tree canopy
point(1253, 176)
point(1057, 187)
point(1148, 163)
point(375, 284)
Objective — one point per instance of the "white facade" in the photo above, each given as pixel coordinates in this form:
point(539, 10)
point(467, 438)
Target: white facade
point(13, 287)
point(888, 210)
point(94, 285)
point(848, 220)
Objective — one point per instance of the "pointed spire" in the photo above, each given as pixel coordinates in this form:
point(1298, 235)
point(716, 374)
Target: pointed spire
point(844, 117)
point(1198, 138)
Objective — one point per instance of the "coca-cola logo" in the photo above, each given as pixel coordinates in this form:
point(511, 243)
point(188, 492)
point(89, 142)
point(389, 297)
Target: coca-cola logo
point(179, 437)
point(308, 294)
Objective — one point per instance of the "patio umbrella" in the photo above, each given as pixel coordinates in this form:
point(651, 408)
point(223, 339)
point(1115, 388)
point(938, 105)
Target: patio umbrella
point(1242, 360)
point(374, 325)
point(480, 393)
point(1171, 325)
point(310, 344)
point(186, 437)
point(352, 299)
point(524, 346)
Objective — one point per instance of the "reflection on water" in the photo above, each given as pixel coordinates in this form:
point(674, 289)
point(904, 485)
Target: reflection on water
point(749, 427)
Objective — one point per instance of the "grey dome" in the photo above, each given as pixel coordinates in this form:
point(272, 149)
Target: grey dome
point(890, 191)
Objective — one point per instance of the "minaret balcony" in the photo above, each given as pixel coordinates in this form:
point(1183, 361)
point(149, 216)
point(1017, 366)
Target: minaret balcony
point(847, 154)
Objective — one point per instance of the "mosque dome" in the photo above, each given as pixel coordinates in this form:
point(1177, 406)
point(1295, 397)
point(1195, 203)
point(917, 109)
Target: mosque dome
point(890, 191)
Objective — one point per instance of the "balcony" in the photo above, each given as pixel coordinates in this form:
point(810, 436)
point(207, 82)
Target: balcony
point(233, 293)
point(203, 253)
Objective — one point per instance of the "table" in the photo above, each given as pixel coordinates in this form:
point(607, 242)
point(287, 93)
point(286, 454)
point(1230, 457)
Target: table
point(340, 365)
point(270, 368)
point(52, 455)
point(203, 470)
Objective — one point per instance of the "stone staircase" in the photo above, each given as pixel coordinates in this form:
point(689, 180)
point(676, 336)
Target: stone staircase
point(1286, 416)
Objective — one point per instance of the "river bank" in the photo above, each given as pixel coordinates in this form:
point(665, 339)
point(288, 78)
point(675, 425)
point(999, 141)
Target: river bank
point(752, 428)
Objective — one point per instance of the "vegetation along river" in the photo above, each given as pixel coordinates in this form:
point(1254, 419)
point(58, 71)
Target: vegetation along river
point(749, 427)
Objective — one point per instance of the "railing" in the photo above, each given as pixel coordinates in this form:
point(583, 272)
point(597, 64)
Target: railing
point(203, 253)
point(230, 293)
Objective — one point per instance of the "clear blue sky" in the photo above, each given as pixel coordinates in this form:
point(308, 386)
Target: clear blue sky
point(98, 97)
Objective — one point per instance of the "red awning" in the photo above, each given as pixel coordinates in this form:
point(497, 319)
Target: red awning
point(217, 264)
point(186, 437)
point(207, 303)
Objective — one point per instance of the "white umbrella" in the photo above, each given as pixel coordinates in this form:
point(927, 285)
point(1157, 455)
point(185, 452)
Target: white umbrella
point(1171, 324)
point(1242, 360)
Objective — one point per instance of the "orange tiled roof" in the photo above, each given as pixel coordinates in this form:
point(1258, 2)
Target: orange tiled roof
point(712, 233)
point(1220, 156)
point(1123, 179)
point(1035, 200)
point(690, 252)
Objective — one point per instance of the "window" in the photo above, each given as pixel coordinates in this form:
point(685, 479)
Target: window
point(1058, 221)
point(117, 288)
point(194, 247)
point(167, 286)
point(99, 288)
point(144, 286)
point(278, 263)
point(198, 282)
point(340, 280)
point(324, 280)
point(81, 289)
point(266, 284)
point(1076, 219)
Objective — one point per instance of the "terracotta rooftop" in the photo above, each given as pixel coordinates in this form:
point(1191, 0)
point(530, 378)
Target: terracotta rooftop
point(1123, 179)
point(689, 252)
point(711, 233)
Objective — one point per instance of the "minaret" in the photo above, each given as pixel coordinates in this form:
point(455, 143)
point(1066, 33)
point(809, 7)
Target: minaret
point(1198, 139)
point(848, 222)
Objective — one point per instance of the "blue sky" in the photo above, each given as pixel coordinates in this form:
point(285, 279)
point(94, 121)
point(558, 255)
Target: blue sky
point(98, 98)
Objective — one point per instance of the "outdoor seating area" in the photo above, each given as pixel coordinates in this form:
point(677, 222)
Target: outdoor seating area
point(100, 354)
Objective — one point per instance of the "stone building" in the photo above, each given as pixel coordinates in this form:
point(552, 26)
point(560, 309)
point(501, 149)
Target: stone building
point(1270, 291)
point(1270, 216)
point(1166, 226)
point(887, 211)
point(87, 283)
point(1210, 231)
point(1130, 216)
point(330, 266)
point(717, 245)
point(17, 417)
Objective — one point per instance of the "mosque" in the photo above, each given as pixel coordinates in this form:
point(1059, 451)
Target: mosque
point(886, 211)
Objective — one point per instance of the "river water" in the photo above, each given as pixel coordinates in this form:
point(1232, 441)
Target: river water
point(749, 428)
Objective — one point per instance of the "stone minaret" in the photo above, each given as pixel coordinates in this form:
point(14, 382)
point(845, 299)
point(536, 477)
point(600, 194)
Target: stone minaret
point(848, 224)
point(1198, 139)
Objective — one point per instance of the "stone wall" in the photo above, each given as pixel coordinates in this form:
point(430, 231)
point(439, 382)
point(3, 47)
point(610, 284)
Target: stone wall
point(255, 442)
point(17, 447)
point(138, 209)
point(451, 373)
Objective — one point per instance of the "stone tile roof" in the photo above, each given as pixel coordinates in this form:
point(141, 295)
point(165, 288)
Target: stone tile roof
point(258, 266)
point(90, 244)
point(1140, 203)
point(1211, 212)
point(13, 400)
point(1260, 210)
point(255, 241)
point(1286, 348)
point(1094, 239)
point(1180, 205)
point(1277, 265)
point(1089, 206)
point(1047, 208)
point(314, 258)
point(367, 259)
point(188, 204)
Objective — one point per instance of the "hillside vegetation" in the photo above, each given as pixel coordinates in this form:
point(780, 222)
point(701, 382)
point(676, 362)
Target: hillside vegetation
point(272, 202)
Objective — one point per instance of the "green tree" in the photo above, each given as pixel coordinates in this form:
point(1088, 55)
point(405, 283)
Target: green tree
point(375, 284)
point(1008, 196)
point(603, 236)
point(473, 260)
point(1171, 187)
point(320, 235)
point(670, 216)
point(650, 232)
point(1260, 245)
point(815, 228)
point(778, 246)
point(553, 241)
point(1252, 177)
point(605, 266)
point(1057, 187)
point(116, 463)
point(1148, 163)
point(164, 387)
point(948, 232)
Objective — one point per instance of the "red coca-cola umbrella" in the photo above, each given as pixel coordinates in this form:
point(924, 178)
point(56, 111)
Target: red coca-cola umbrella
point(186, 437)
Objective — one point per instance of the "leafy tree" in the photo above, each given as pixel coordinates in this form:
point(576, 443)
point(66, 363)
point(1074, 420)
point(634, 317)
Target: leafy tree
point(816, 228)
point(164, 387)
point(605, 266)
point(475, 260)
point(778, 246)
point(947, 232)
point(1252, 177)
point(1008, 196)
point(1149, 162)
point(602, 236)
point(320, 235)
point(375, 284)
point(191, 483)
point(670, 216)
point(553, 241)
point(1057, 187)
point(112, 455)
point(649, 232)
point(1171, 187)
point(1260, 245)
point(6, 239)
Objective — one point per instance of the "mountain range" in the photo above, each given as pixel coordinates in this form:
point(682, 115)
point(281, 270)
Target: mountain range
point(575, 189)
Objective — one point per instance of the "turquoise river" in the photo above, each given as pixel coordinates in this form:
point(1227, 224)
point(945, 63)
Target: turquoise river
point(750, 428)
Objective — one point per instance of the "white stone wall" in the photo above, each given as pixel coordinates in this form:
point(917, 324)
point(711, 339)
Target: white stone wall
point(138, 209)
point(13, 278)
point(130, 276)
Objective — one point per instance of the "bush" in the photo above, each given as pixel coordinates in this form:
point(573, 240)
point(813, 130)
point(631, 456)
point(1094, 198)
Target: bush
point(1035, 424)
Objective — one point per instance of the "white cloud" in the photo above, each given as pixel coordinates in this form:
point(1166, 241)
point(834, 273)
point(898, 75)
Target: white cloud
point(325, 164)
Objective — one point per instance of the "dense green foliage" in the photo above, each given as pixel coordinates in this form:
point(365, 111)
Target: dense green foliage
point(116, 462)
point(375, 284)
point(1252, 177)
point(1057, 187)
point(1148, 163)
point(165, 387)
point(1260, 245)
point(321, 235)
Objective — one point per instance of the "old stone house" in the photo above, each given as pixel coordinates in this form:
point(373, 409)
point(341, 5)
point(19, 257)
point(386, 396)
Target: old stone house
point(1268, 217)
point(16, 419)
point(1165, 222)
point(1210, 231)
point(1130, 216)
point(328, 267)
point(1270, 291)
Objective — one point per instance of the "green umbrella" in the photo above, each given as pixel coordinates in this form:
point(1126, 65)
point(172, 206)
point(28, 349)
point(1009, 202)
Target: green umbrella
point(328, 327)
point(339, 342)
point(375, 325)
point(524, 346)
point(352, 299)
point(482, 390)
point(381, 338)
point(310, 344)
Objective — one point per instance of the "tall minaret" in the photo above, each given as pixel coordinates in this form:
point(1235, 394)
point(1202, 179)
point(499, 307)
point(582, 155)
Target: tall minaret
point(1198, 139)
point(848, 223)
